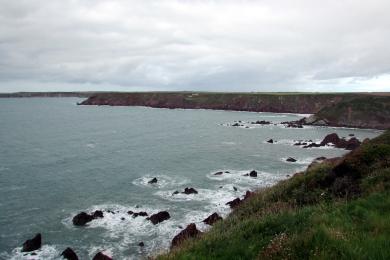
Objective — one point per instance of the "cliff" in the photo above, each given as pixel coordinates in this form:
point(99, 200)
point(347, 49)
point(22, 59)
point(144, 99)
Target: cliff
point(361, 110)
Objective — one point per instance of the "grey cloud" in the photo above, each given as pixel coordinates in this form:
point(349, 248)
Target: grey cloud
point(194, 45)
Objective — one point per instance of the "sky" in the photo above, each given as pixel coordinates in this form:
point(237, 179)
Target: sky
point(199, 45)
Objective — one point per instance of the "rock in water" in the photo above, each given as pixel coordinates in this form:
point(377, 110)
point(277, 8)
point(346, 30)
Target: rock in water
point(69, 254)
point(210, 220)
point(159, 217)
point(154, 180)
point(101, 256)
point(290, 159)
point(190, 191)
point(32, 244)
point(253, 173)
point(141, 244)
point(189, 232)
point(97, 214)
point(234, 203)
point(141, 213)
point(271, 141)
point(331, 138)
point(218, 173)
point(81, 219)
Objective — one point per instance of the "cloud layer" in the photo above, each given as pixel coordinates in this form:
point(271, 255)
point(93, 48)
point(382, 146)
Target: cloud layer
point(218, 45)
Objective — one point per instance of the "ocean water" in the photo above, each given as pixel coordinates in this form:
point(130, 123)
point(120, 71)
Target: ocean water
point(57, 159)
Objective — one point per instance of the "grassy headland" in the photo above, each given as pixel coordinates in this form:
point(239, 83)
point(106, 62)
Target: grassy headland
point(338, 209)
point(363, 110)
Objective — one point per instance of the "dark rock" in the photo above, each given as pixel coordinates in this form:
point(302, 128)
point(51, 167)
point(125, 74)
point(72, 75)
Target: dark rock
point(236, 124)
point(122, 218)
point(234, 203)
point(352, 144)
point(130, 212)
point(351, 135)
point(152, 181)
point(218, 173)
point(321, 158)
point(32, 244)
point(141, 244)
point(69, 254)
point(175, 192)
point(248, 194)
point(246, 174)
point(331, 138)
point(253, 173)
point(227, 172)
point(312, 145)
point(234, 188)
point(190, 191)
point(271, 141)
point(290, 159)
point(189, 232)
point(141, 213)
point(97, 214)
point(101, 256)
point(110, 211)
point(210, 220)
point(81, 219)
point(262, 122)
point(159, 217)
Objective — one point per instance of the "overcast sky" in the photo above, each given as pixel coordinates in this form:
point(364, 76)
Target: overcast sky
point(219, 45)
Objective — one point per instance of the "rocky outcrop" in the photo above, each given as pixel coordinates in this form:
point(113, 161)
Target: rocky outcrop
point(159, 217)
point(290, 159)
point(152, 181)
point(83, 218)
point(189, 232)
point(69, 254)
point(253, 173)
point(210, 220)
point(101, 256)
point(190, 191)
point(234, 203)
point(32, 244)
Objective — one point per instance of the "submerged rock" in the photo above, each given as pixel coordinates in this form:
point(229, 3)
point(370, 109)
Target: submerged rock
point(141, 213)
point(175, 192)
point(69, 254)
point(218, 173)
point(190, 191)
point(234, 203)
point(101, 256)
point(290, 159)
point(32, 244)
point(189, 232)
point(152, 181)
point(210, 220)
point(262, 122)
point(159, 217)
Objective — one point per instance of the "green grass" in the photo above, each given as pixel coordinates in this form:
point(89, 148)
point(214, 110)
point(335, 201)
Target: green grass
point(331, 211)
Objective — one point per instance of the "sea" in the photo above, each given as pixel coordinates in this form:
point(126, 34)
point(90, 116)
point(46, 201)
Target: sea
point(58, 158)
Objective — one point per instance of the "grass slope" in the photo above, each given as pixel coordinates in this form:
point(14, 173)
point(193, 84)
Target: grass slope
point(336, 209)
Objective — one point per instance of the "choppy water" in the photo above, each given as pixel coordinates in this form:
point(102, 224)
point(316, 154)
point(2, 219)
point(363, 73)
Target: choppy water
point(57, 159)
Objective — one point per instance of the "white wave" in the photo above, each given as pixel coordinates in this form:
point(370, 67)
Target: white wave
point(238, 177)
point(163, 181)
point(305, 161)
point(229, 143)
point(90, 145)
point(45, 252)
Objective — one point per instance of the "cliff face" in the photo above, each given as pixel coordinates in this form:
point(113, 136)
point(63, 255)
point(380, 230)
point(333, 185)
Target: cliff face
point(287, 103)
point(351, 110)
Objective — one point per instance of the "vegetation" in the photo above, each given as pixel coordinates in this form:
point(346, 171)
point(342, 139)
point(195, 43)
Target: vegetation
point(336, 209)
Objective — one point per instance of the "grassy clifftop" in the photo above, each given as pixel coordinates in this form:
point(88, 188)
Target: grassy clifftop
point(336, 209)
